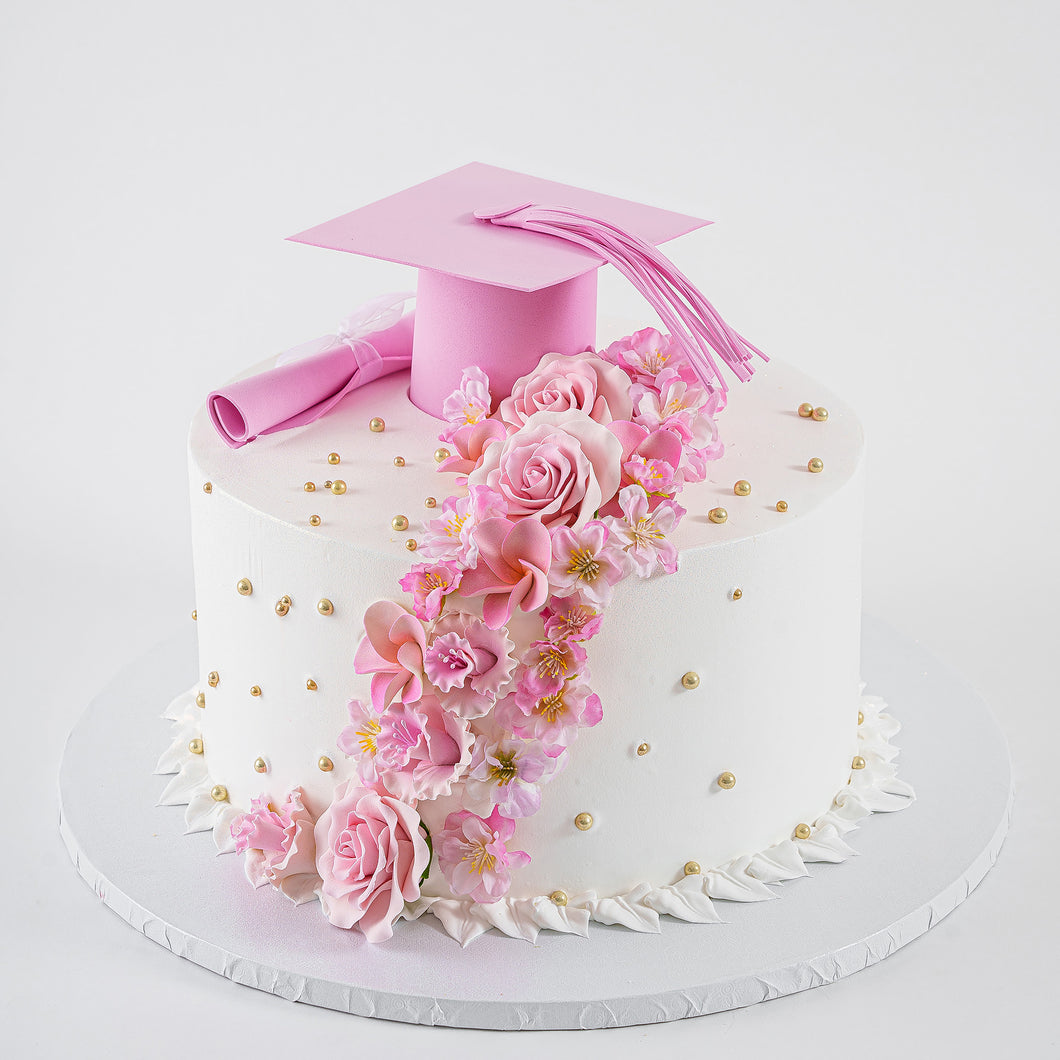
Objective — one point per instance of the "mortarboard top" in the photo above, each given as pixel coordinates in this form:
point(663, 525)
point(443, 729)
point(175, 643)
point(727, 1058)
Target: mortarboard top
point(487, 294)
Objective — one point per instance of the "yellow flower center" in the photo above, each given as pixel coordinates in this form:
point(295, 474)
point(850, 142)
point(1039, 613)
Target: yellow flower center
point(551, 662)
point(481, 859)
point(367, 735)
point(583, 563)
point(551, 707)
point(505, 771)
point(454, 524)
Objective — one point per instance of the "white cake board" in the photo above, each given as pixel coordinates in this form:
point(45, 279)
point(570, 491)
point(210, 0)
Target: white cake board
point(914, 868)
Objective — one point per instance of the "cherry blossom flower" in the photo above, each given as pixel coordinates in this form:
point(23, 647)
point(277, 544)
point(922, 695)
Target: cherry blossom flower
point(429, 584)
point(641, 532)
point(571, 618)
point(473, 855)
point(469, 404)
point(548, 663)
point(647, 353)
point(584, 561)
point(360, 739)
point(553, 718)
point(451, 537)
point(505, 773)
point(392, 651)
point(469, 664)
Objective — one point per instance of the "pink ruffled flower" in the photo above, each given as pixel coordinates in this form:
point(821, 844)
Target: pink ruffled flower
point(422, 749)
point(469, 663)
point(512, 568)
point(642, 531)
point(558, 467)
point(679, 406)
point(585, 561)
point(360, 739)
point(429, 584)
point(474, 857)
point(571, 618)
point(555, 718)
point(647, 353)
point(468, 405)
point(451, 537)
point(470, 442)
point(547, 664)
point(505, 773)
point(392, 651)
point(279, 846)
point(371, 855)
point(560, 384)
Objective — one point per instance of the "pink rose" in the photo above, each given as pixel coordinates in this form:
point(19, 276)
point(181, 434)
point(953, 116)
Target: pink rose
point(279, 846)
point(468, 663)
point(560, 384)
point(392, 651)
point(558, 467)
point(371, 855)
point(474, 857)
point(422, 749)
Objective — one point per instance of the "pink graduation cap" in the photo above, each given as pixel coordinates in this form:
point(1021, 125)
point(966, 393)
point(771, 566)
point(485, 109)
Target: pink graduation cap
point(507, 272)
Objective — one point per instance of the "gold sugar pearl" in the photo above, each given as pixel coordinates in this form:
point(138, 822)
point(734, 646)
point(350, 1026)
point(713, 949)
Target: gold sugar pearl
point(333, 458)
point(207, 487)
point(559, 898)
point(200, 701)
point(643, 749)
point(310, 487)
point(314, 520)
point(399, 461)
point(717, 515)
point(377, 425)
point(430, 502)
point(325, 606)
point(213, 678)
point(282, 608)
point(583, 822)
point(260, 765)
point(861, 718)
point(219, 793)
point(742, 488)
point(255, 690)
point(692, 868)
point(858, 763)
point(802, 831)
point(195, 746)
point(338, 487)
point(690, 680)
point(441, 454)
point(285, 599)
point(806, 410)
point(727, 781)
point(195, 616)
point(243, 587)
point(816, 465)
point(411, 544)
point(782, 506)
point(310, 685)
point(325, 764)
point(820, 414)
point(399, 522)
point(737, 594)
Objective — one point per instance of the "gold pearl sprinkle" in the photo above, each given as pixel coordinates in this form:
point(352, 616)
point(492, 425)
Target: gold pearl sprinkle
point(399, 522)
point(195, 616)
point(219, 793)
point(643, 749)
point(727, 781)
point(737, 594)
point(717, 515)
point(430, 502)
point(411, 544)
point(325, 764)
point(858, 763)
point(690, 680)
point(333, 458)
point(282, 608)
point(195, 746)
point(820, 414)
point(255, 690)
point(285, 599)
point(742, 488)
point(213, 679)
point(559, 898)
point(310, 685)
point(861, 718)
point(806, 410)
point(816, 465)
point(399, 461)
point(207, 487)
point(441, 454)
point(243, 587)
point(325, 606)
point(692, 868)
point(782, 506)
point(200, 701)
point(377, 425)
point(314, 520)
point(310, 487)
point(260, 765)
point(338, 487)
point(802, 831)
point(583, 822)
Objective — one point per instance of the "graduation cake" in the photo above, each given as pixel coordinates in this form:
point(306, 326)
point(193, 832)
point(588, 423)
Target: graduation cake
point(519, 625)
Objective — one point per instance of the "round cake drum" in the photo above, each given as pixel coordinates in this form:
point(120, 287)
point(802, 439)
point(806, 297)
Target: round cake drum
point(914, 868)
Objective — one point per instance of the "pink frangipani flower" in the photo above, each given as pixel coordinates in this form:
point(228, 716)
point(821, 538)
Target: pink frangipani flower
point(470, 442)
point(469, 664)
point(392, 651)
point(473, 855)
point(505, 773)
point(642, 532)
point(585, 561)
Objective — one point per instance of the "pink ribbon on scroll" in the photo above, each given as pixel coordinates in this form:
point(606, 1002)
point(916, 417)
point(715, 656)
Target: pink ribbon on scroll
point(313, 378)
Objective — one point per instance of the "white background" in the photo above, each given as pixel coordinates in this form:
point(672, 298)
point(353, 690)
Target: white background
point(883, 181)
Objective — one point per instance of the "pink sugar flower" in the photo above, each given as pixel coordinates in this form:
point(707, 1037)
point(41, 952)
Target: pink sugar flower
point(429, 584)
point(585, 561)
point(473, 855)
point(505, 773)
point(555, 718)
point(422, 749)
point(451, 537)
point(679, 406)
point(469, 404)
point(469, 663)
point(360, 739)
point(547, 664)
point(647, 353)
point(470, 442)
point(512, 569)
point(571, 618)
point(642, 532)
point(371, 855)
point(279, 845)
point(392, 651)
